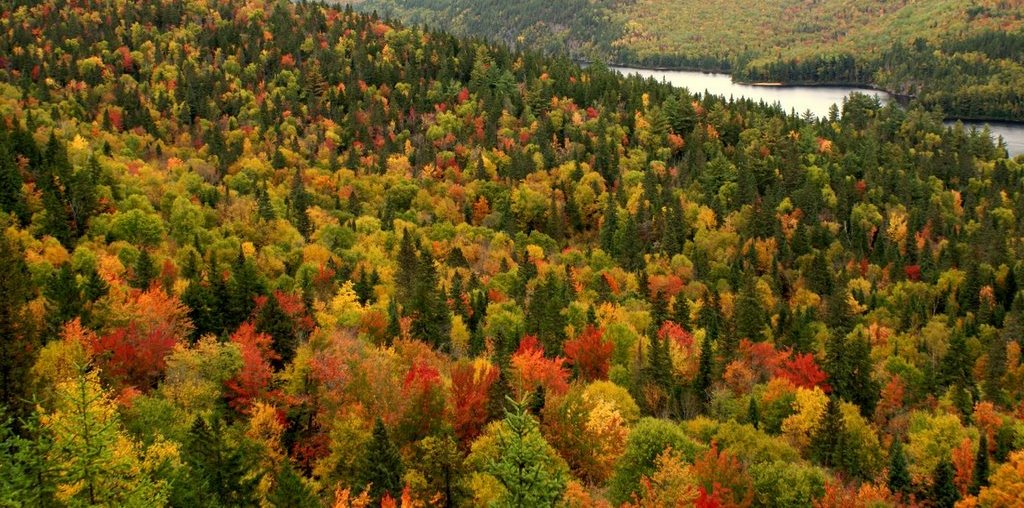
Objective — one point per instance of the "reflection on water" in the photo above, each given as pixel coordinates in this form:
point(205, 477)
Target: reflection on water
point(800, 99)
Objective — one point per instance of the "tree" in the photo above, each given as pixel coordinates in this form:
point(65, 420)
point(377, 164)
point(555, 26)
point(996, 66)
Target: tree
point(649, 438)
point(300, 205)
point(63, 297)
point(702, 383)
point(18, 346)
point(291, 491)
point(530, 473)
point(944, 493)
point(749, 314)
point(443, 466)
point(590, 354)
point(980, 479)
point(899, 476)
point(610, 226)
point(98, 464)
point(471, 387)
point(828, 444)
point(382, 468)
point(272, 320)
point(218, 473)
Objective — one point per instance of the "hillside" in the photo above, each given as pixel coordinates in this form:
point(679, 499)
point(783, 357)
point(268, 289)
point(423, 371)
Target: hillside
point(273, 253)
point(964, 56)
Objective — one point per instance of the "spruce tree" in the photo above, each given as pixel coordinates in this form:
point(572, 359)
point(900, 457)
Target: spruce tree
point(63, 297)
point(981, 468)
point(431, 319)
point(702, 383)
point(749, 314)
point(143, 271)
point(944, 493)
point(610, 226)
point(382, 468)
point(753, 413)
point(291, 492)
point(272, 320)
point(829, 443)
point(299, 200)
point(18, 338)
point(524, 464)
point(899, 476)
point(218, 473)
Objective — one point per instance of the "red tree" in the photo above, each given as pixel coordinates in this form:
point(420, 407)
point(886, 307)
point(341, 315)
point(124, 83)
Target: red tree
point(133, 356)
point(531, 369)
point(590, 354)
point(471, 382)
point(253, 381)
point(802, 370)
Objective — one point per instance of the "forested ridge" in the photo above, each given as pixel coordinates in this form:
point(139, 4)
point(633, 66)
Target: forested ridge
point(284, 254)
point(960, 56)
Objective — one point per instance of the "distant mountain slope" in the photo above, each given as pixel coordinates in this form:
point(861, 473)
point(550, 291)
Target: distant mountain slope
point(965, 56)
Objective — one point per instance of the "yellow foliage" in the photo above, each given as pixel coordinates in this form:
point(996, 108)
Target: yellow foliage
point(1005, 484)
point(800, 426)
point(343, 311)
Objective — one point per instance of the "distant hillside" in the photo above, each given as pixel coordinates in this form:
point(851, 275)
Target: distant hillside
point(965, 56)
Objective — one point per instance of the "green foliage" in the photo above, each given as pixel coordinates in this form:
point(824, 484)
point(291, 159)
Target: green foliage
point(648, 439)
point(525, 466)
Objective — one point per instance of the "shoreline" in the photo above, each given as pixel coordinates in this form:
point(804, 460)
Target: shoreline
point(901, 98)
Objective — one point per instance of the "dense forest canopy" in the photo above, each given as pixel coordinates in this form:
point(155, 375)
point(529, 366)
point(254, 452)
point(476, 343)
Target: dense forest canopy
point(284, 254)
point(965, 57)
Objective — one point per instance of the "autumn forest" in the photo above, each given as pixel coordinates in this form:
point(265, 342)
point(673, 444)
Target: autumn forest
point(278, 254)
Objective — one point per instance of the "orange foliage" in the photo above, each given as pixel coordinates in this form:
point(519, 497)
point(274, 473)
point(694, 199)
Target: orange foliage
point(531, 369)
point(253, 381)
point(471, 383)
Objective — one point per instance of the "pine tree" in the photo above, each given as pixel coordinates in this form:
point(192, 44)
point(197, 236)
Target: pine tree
point(431, 319)
point(63, 297)
point(274, 321)
point(143, 271)
point(27, 477)
point(995, 369)
point(18, 339)
point(944, 493)
point(524, 465)
point(382, 469)
point(753, 413)
point(749, 314)
point(981, 468)
point(610, 226)
point(702, 383)
point(899, 476)
point(829, 444)
point(243, 287)
point(628, 247)
point(299, 199)
point(659, 310)
point(681, 311)
point(218, 472)
point(12, 200)
point(291, 491)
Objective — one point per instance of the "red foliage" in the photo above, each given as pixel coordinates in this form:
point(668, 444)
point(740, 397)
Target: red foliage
point(531, 369)
point(421, 390)
point(590, 354)
point(471, 383)
point(133, 356)
point(253, 381)
point(668, 285)
point(913, 272)
point(762, 358)
point(803, 370)
point(677, 334)
point(723, 479)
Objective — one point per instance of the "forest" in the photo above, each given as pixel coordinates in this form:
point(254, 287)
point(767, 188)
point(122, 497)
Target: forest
point(961, 57)
point(277, 254)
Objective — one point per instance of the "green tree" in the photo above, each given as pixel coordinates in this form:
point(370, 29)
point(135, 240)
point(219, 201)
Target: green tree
point(218, 472)
point(981, 466)
point(291, 491)
point(382, 469)
point(19, 342)
point(944, 493)
point(610, 226)
point(899, 476)
point(143, 271)
point(531, 474)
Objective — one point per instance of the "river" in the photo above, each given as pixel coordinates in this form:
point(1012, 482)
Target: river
point(816, 99)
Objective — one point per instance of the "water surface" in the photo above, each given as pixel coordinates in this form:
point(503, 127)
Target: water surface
point(801, 99)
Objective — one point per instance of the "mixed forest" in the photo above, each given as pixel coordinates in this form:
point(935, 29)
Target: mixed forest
point(264, 253)
point(963, 57)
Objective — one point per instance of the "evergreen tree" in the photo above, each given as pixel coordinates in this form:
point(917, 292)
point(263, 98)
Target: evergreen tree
point(144, 271)
point(431, 319)
point(63, 297)
point(525, 465)
point(18, 339)
point(628, 246)
point(382, 468)
point(299, 199)
point(243, 287)
point(681, 311)
point(995, 369)
point(980, 466)
point(849, 367)
point(944, 493)
point(610, 226)
point(12, 200)
point(26, 475)
point(218, 473)
point(749, 314)
point(272, 320)
point(753, 413)
point(702, 383)
point(899, 476)
point(291, 492)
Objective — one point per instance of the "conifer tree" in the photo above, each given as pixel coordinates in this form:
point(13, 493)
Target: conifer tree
point(291, 492)
point(899, 476)
point(525, 465)
point(610, 226)
point(218, 472)
point(829, 443)
point(382, 468)
point(299, 200)
point(272, 320)
point(702, 383)
point(943, 492)
point(753, 413)
point(981, 466)
point(18, 346)
point(63, 297)
point(143, 271)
